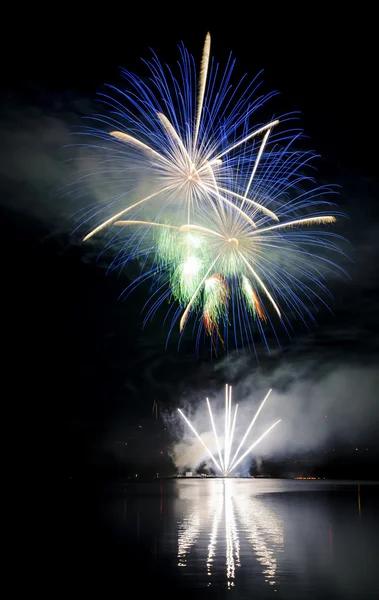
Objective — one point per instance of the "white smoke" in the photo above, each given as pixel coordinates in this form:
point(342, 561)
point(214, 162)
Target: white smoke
point(320, 406)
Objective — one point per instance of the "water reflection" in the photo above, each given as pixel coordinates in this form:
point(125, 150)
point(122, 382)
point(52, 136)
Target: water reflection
point(253, 538)
point(225, 515)
point(187, 535)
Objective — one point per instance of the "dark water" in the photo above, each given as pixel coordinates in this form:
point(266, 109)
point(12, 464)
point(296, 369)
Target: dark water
point(211, 538)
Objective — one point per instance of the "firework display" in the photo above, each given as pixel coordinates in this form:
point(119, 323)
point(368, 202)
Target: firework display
point(227, 461)
point(218, 209)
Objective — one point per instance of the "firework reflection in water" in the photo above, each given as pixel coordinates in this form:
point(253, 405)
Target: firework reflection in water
point(227, 519)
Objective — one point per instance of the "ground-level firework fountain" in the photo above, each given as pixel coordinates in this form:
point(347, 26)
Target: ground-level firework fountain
point(226, 464)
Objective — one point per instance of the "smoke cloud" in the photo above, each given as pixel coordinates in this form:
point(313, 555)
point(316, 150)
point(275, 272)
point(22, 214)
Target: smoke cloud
point(323, 406)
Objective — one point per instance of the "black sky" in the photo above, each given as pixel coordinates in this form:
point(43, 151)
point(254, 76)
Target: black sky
point(81, 370)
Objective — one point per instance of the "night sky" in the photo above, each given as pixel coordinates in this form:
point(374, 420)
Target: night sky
point(83, 375)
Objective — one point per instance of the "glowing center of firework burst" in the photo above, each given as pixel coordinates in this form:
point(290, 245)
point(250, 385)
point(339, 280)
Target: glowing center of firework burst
point(225, 464)
point(191, 267)
point(234, 241)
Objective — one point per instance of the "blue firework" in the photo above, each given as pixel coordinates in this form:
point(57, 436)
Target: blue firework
point(209, 201)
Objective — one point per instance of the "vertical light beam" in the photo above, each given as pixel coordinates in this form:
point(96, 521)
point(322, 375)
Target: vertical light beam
point(232, 435)
point(226, 425)
point(216, 436)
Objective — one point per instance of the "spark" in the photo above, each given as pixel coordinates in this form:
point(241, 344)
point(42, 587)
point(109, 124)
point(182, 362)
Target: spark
point(215, 434)
point(264, 141)
point(253, 445)
point(192, 300)
point(202, 84)
point(306, 221)
point(119, 214)
point(215, 302)
point(261, 283)
point(252, 300)
point(144, 223)
point(257, 205)
point(129, 139)
point(227, 465)
point(250, 426)
point(199, 438)
point(248, 137)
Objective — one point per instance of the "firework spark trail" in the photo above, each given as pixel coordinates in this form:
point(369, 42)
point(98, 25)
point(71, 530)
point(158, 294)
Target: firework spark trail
point(253, 446)
point(263, 286)
point(226, 426)
point(304, 221)
point(202, 84)
point(214, 304)
point(199, 438)
point(231, 425)
point(129, 139)
point(264, 141)
point(232, 433)
point(122, 212)
point(227, 465)
point(258, 206)
point(250, 426)
point(148, 223)
point(190, 303)
point(248, 137)
point(216, 436)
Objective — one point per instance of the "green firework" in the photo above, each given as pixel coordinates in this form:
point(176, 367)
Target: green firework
point(249, 295)
point(215, 296)
point(183, 256)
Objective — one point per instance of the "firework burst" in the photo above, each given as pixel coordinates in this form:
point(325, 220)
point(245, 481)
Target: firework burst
point(219, 228)
point(177, 141)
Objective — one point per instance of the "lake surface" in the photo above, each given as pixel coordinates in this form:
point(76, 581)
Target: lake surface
point(214, 538)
